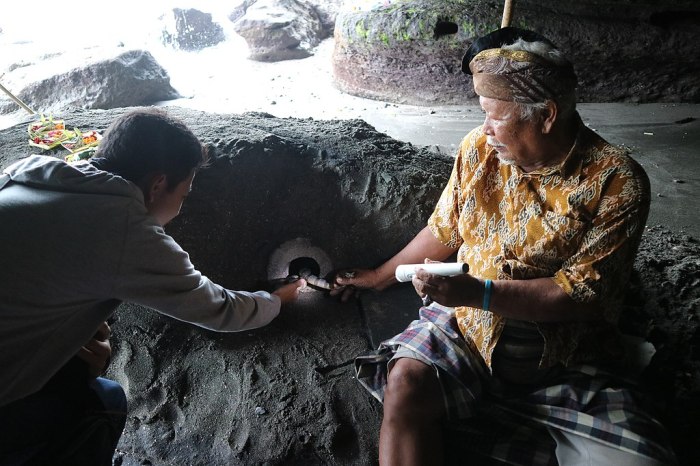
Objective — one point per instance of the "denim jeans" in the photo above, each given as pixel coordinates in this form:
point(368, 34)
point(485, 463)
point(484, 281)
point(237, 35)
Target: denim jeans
point(72, 420)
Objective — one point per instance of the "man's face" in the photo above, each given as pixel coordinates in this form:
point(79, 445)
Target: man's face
point(516, 141)
point(165, 205)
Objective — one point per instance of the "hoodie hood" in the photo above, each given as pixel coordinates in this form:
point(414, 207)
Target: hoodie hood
point(42, 172)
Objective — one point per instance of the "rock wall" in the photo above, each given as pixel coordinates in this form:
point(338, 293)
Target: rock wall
point(623, 50)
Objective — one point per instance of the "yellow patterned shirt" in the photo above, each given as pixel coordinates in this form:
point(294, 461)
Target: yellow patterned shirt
point(579, 222)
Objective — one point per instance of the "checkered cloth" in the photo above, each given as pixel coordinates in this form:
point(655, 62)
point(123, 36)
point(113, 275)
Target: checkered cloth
point(512, 425)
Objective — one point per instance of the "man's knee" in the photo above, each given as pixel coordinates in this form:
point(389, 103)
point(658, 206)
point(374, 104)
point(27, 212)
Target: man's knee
point(412, 389)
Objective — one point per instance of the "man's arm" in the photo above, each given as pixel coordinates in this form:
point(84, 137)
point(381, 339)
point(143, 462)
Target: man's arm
point(585, 287)
point(538, 300)
point(156, 272)
point(423, 246)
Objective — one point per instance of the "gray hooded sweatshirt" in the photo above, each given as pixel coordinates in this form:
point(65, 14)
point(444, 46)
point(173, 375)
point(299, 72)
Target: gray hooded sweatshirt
point(76, 241)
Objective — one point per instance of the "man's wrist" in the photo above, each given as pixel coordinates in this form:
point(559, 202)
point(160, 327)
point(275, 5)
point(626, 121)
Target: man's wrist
point(488, 290)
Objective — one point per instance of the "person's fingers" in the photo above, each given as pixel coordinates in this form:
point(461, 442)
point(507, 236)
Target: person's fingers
point(343, 293)
point(101, 349)
point(418, 283)
point(345, 282)
point(288, 286)
point(96, 354)
point(103, 332)
point(301, 283)
point(429, 287)
point(347, 277)
point(290, 291)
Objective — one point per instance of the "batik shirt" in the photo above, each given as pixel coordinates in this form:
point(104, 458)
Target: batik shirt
point(579, 222)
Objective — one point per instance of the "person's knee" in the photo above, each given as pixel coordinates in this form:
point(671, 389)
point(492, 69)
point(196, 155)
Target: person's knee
point(412, 390)
point(111, 394)
point(114, 405)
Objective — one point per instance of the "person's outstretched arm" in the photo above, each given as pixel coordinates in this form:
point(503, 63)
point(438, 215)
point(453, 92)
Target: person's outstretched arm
point(423, 246)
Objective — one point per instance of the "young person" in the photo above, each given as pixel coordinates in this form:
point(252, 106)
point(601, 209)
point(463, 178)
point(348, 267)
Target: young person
point(76, 240)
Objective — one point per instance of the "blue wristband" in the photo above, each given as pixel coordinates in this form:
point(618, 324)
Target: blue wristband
point(487, 295)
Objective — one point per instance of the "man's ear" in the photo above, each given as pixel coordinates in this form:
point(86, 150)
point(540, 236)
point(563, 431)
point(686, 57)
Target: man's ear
point(549, 116)
point(156, 185)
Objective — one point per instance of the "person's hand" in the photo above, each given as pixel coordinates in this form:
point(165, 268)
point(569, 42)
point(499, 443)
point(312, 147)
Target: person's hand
point(347, 282)
point(290, 292)
point(460, 290)
point(97, 352)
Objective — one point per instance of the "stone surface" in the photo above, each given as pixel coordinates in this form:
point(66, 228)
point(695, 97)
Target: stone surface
point(624, 50)
point(193, 30)
point(280, 29)
point(130, 78)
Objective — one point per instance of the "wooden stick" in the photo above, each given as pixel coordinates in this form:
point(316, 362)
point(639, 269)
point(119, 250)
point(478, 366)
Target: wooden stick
point(16, 99)
point(507, 13)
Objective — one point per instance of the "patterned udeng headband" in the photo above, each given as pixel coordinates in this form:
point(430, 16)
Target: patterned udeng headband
point(520, 76)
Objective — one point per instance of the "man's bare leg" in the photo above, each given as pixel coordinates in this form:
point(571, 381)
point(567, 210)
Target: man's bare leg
point(411, 432)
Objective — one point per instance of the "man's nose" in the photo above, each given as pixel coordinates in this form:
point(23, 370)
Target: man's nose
point(487, 127)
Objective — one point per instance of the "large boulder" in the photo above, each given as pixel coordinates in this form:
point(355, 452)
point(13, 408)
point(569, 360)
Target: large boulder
point(129, 79)
point(192, 30)
point(327, 11)
point(623, 50)
point(278, 30)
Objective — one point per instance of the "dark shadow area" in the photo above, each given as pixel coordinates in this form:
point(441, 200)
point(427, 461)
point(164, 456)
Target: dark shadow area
point(445, 28)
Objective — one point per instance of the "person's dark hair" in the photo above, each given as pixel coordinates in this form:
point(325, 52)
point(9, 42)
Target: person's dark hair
point(147, 142)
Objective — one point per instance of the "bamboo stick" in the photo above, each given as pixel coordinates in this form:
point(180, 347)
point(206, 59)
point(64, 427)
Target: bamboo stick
point(507, 13)
point(17, 100)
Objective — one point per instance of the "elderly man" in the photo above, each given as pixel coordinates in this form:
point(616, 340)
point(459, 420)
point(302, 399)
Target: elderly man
point(548, 216)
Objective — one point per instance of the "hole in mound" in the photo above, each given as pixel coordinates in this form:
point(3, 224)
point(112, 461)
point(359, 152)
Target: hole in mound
point(676, 20)
point(304, 266)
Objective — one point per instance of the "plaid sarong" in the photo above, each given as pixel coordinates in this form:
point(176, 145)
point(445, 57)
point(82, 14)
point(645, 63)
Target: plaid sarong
point(513, 426)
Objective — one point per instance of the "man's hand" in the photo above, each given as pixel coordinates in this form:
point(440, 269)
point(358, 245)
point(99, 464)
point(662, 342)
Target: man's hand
point(347, 282)
point(290, 292)
point(97, 352)
point(460, 290)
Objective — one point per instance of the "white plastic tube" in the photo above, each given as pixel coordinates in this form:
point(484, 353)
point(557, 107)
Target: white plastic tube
point(405, 272)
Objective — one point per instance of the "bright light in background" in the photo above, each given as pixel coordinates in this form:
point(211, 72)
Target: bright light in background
point(52, 37)
point(69, 24)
